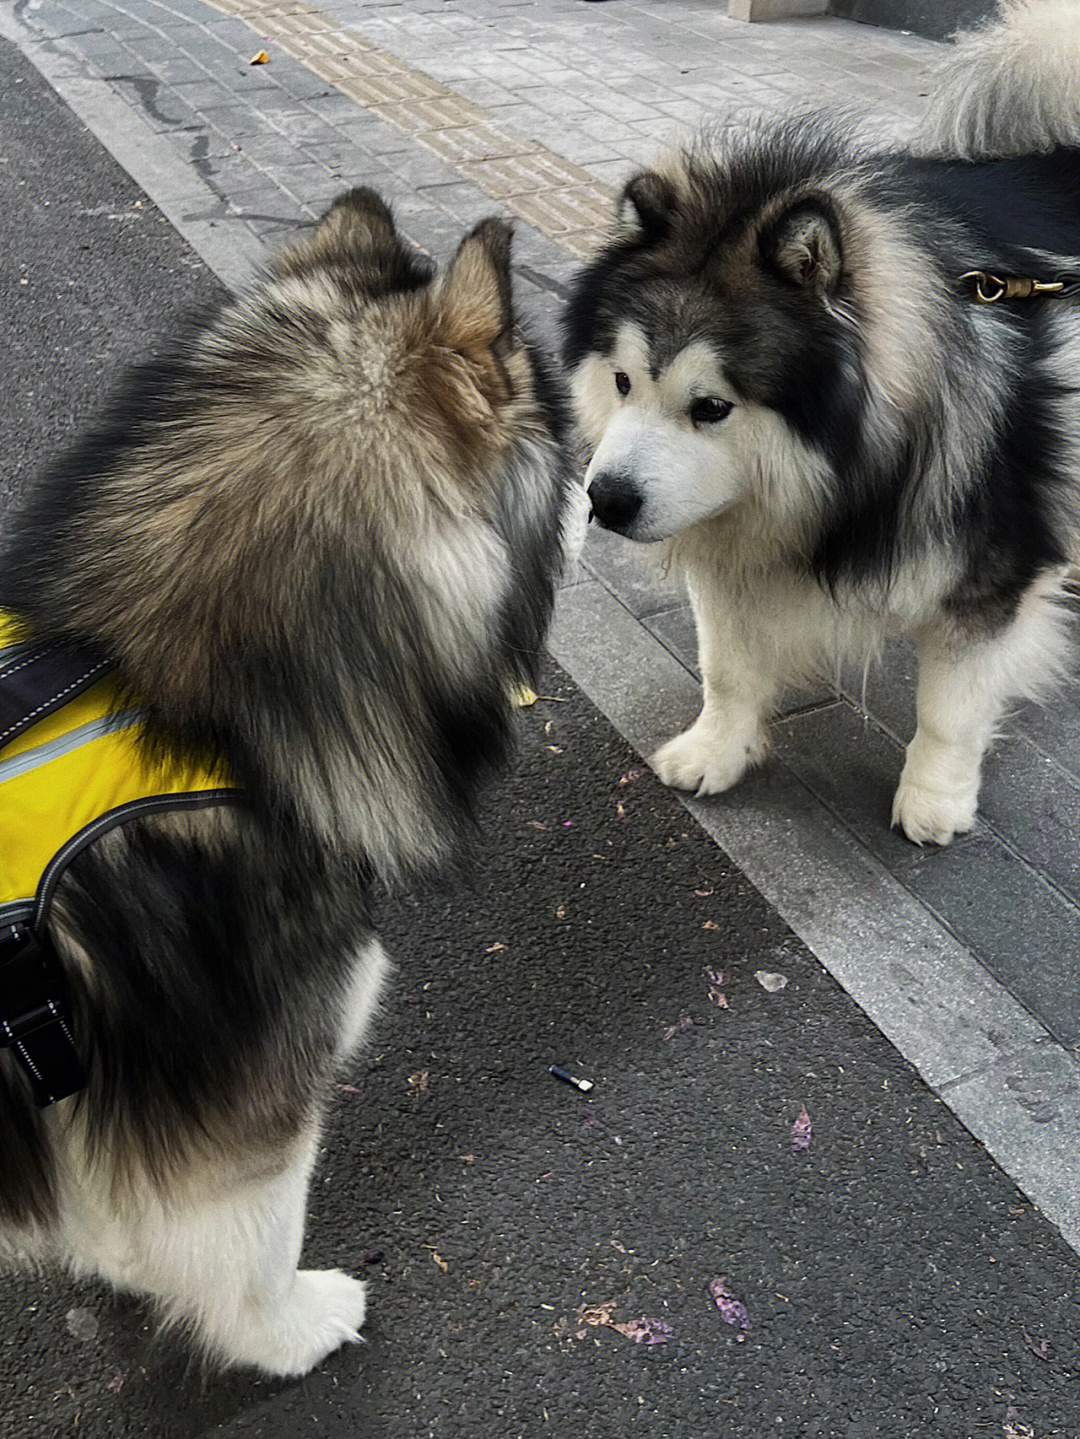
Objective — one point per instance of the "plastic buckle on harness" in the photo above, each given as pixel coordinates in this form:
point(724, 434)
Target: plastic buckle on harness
point(33, 1021)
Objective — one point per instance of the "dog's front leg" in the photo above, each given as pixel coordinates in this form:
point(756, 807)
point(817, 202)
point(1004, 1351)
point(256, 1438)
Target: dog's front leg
point(220, 1258)
point(958, 706)
point(738, 670)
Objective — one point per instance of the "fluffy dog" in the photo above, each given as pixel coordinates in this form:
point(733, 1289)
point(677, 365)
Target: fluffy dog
point(317, 544)
point(786, 376)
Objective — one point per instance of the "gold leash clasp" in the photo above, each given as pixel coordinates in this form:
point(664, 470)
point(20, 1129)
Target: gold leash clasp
point(988, 289)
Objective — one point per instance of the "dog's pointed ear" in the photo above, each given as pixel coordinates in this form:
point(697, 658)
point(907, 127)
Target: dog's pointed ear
point(646, 208)
point(476, 292)
point(359, 218)
point(803, 244)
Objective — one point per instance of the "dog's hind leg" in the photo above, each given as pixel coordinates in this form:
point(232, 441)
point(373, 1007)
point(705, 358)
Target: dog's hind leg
point(219, 1255)
point(962, 695)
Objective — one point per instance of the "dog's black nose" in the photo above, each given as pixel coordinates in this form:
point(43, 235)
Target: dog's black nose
point(615, 501)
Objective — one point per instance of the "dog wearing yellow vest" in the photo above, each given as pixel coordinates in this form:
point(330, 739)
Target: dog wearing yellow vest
point(260, 631)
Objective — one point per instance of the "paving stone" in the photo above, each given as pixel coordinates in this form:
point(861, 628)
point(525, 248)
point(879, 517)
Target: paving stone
point(107, 54)
point(178, 69)
point(885, 686)
point(58, 20)
point(188, 9)
point(231, 174)
point(464, 203)
point(303, 128)
point(1035, 806)
point(422, 169)
point(311, 185)
point(853, 768)
point(369, 132)
point(330, 105)
point(593, 633)
point(162, 108)
point(633, 573)
point(269, 148)
point(233, 34)
point(675, 630)
point(233, 124)
point(1026, 934)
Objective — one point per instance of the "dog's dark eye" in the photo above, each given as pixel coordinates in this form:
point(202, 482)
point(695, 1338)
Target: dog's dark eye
point(709, 411)
point(622, 382)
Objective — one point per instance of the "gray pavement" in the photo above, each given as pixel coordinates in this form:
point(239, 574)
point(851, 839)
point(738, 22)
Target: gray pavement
point(965, 959)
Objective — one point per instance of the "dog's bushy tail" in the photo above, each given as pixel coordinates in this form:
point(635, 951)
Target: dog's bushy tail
point(1010, 87)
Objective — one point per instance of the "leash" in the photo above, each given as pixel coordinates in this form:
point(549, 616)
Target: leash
point(988, 289)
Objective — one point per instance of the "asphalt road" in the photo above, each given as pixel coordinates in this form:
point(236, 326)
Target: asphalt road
point(893, 1282)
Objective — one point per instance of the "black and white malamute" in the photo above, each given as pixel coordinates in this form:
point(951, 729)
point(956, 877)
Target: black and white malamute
point(785, 368)
point(314, 547)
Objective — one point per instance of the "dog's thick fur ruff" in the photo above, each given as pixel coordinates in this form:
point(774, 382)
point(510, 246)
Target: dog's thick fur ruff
point(319, 539)
point(783, 379)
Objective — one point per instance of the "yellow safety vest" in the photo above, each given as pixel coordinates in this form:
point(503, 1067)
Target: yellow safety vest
point(71, 767)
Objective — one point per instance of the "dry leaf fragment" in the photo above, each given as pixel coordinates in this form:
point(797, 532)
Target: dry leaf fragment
point(714, 979)
point(418, 1082)
point(495, 948)
point(1040, 1349)
point(645, 1331)
point(620, 810)
point(467, 1158)
point(801, 1131)
point(630, 776)
point(521, 696)
point(116, 1383)
point(1014, 1427)
point(262, 58)
point(594, 1314)
point(732, 1310)
point(535, 824)
point(683, 1022)
point(349, 1089)
point(710, 924)
point(554, 748)
point(560, 912)
point(704, 893)
point(440, 1261)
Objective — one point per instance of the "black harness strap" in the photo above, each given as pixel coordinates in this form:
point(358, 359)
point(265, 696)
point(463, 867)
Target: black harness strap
point(36, 679)
point(34, 1021)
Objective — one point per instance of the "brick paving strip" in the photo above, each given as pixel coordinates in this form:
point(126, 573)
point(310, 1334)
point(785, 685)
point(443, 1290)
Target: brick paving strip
point(558, 198)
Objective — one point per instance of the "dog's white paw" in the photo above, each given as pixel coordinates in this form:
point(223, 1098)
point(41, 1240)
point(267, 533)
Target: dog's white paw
point(711, 756)
point(933, 816)
point(325, 1310)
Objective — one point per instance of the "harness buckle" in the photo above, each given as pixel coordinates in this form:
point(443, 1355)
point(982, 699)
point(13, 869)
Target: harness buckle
point(34, 1022)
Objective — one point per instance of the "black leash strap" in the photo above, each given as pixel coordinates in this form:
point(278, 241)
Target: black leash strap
point(34, 1021)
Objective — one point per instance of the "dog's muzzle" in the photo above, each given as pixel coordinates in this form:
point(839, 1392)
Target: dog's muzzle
point(615, 500)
